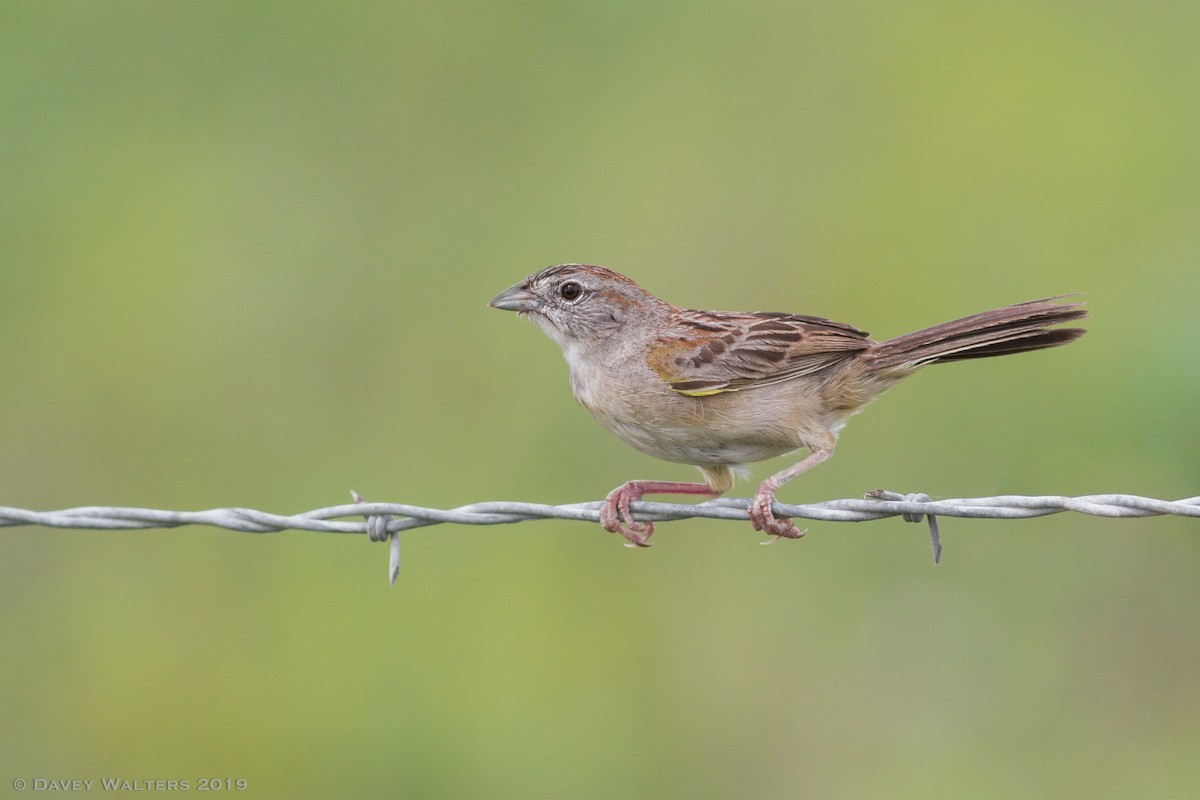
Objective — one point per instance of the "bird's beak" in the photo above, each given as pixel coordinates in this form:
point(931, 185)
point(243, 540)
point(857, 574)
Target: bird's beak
point(516, 298)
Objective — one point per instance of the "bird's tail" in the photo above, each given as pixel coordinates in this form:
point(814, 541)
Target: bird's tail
point(1012, 329)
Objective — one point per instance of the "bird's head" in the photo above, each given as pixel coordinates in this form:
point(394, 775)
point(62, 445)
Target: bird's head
point(579, 305)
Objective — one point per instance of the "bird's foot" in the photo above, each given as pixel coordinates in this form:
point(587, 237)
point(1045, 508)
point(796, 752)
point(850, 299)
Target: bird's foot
point(764, 519)
point(616, 517)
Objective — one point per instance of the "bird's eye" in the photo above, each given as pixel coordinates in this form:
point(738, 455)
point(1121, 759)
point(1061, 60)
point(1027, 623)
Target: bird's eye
point(570, 291)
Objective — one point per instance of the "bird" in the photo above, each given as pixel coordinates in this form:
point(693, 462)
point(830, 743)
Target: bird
point(720, 390)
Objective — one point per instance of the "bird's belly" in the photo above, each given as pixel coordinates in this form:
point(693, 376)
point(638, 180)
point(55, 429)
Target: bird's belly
point(696, 446)
point(721, 430)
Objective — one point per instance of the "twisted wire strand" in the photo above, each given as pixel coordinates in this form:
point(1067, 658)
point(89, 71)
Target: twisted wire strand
point(380, 521)
point(876, 505)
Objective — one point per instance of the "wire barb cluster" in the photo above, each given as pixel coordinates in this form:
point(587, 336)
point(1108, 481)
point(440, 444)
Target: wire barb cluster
point(386, 520)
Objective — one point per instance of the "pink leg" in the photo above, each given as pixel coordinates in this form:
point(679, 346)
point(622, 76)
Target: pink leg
point(616, 517)
point(760, 510)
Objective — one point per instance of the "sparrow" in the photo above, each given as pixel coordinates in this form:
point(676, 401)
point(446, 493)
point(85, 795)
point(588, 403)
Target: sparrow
point(723, 389)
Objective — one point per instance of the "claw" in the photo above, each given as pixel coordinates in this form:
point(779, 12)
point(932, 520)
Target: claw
point(792, 533)
point(638, 533)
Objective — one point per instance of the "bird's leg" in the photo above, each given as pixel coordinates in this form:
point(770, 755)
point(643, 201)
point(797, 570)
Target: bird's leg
point(760, 509)
point(616, 517)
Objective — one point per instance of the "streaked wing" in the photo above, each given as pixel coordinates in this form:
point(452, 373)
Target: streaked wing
point(712, 351)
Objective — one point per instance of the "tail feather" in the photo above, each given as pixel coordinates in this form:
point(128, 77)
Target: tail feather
point(1012, 329)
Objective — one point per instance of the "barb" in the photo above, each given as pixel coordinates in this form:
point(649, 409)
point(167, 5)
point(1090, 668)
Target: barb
point(385, 520)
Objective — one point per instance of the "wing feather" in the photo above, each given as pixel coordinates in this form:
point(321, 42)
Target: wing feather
point(713, 352)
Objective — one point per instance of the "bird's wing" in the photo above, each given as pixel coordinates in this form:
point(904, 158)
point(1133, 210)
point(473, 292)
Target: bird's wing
point(710, 352)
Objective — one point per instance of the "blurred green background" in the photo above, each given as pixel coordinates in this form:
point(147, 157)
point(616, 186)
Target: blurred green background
point(245, 252)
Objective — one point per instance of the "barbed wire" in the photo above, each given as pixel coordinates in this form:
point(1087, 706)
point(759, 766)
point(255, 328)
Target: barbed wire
point(385, 521)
